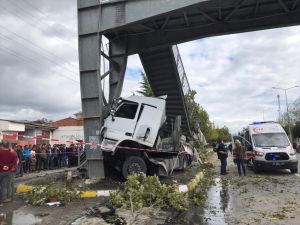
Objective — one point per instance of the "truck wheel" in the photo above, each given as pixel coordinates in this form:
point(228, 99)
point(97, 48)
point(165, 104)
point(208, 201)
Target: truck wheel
point(294, 170)
point(133, 164)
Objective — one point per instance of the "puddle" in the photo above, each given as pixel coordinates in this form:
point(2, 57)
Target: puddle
point(19, 218)
point(217, 205)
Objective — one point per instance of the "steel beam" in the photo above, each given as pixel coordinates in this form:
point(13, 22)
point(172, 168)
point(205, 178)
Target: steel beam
point(141, 42)
point(121, 13)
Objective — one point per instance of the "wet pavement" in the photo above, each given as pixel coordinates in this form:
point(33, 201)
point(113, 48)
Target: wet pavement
point(19, 218)
point(271, 197)
point(218, 203)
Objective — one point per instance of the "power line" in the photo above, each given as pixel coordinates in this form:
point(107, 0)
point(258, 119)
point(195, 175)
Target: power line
point(30, 60)
point(35, 45)
point(34, 25)
point(28, 12)
point(34, 7)
point(50, 60)
point(37, 9)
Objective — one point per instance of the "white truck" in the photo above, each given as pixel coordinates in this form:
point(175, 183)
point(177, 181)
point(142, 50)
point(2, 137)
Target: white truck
point(135, 138)
point(268, 147)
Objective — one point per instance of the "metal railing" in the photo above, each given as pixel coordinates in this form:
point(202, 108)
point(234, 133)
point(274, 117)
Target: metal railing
point(185, 87)
point(181, 71)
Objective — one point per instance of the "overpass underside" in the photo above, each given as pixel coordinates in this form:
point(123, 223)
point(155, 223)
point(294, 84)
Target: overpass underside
point(152, 27)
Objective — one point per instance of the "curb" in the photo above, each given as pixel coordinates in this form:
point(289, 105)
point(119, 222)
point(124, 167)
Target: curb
point(193, 183)
point(106, 193)
point(82, 194)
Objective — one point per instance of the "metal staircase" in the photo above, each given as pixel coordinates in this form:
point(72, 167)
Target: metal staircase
point(166, 75)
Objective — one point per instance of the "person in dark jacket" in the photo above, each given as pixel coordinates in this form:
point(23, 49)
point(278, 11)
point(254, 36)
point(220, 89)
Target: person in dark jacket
point(240, 152)
point(20, 168)
point(38, 157)
point(222, 155)
point(43, 158)
point(49, 157)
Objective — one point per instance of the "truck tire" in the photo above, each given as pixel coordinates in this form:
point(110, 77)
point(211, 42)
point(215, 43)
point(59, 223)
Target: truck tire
point(133, 164)
point(294, 170)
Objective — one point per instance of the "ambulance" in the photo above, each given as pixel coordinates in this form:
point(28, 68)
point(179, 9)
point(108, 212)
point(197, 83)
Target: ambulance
point(268, 147)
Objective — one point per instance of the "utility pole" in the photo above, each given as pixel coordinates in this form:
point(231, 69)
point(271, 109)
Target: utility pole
point(287, 108)
point(279, 109)
point(288, 115)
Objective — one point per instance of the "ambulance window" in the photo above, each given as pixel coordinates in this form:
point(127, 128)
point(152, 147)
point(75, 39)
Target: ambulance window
point(127, 110)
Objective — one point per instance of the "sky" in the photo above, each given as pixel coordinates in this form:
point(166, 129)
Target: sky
point(233, 75)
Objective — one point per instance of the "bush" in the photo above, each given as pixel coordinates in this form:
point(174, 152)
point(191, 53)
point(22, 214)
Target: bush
point(40, 194)
point(140, 191)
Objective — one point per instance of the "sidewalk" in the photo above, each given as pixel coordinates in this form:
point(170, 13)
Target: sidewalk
point(33, 175)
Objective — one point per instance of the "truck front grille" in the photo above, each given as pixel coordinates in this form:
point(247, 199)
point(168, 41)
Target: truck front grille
point(277, 156)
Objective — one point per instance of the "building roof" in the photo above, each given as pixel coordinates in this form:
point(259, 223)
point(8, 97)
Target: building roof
point(67, 122)
point(29, 124)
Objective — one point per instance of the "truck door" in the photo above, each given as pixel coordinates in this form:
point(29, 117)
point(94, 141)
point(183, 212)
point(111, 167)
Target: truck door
point(123, 122)
point(149, 122)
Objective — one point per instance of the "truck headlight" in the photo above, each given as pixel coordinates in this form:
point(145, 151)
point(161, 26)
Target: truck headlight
point(292, 152)
point(108, 144)
point(259, 153)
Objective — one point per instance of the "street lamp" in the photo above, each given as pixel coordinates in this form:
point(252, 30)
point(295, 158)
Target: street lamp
point(287, 107)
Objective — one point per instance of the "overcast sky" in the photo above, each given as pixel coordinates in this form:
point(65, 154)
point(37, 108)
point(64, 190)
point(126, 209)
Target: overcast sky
point(233, 75)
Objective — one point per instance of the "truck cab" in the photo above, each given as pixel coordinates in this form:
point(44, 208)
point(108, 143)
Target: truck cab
point(134, 138)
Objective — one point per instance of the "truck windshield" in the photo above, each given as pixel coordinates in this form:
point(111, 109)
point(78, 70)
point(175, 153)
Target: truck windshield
point(127, 110)
point(271, 140)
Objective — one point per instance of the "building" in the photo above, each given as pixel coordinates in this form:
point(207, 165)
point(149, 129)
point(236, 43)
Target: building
point(69, 129)
point(65, 131)
point(25, 132)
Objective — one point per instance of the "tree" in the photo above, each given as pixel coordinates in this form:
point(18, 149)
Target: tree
point(145, 86)
point(294, 113)
point(296, 130)
point(197, 115)
point(224, 133)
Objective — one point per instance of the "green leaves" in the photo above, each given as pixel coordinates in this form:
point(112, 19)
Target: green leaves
point(40, 194)
point(140, 191)
point(145, 87)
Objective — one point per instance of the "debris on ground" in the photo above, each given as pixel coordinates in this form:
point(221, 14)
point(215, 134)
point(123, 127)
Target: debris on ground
point(41, 194)
point(140, 191)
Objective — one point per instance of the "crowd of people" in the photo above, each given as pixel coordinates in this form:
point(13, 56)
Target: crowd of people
point(45, 157)
point(15, 160)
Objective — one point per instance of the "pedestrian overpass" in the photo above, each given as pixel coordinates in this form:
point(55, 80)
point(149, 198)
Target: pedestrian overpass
point(152, 28)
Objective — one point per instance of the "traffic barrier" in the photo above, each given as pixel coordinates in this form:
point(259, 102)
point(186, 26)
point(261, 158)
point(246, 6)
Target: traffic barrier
point(23, 188)
point(88, 194)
